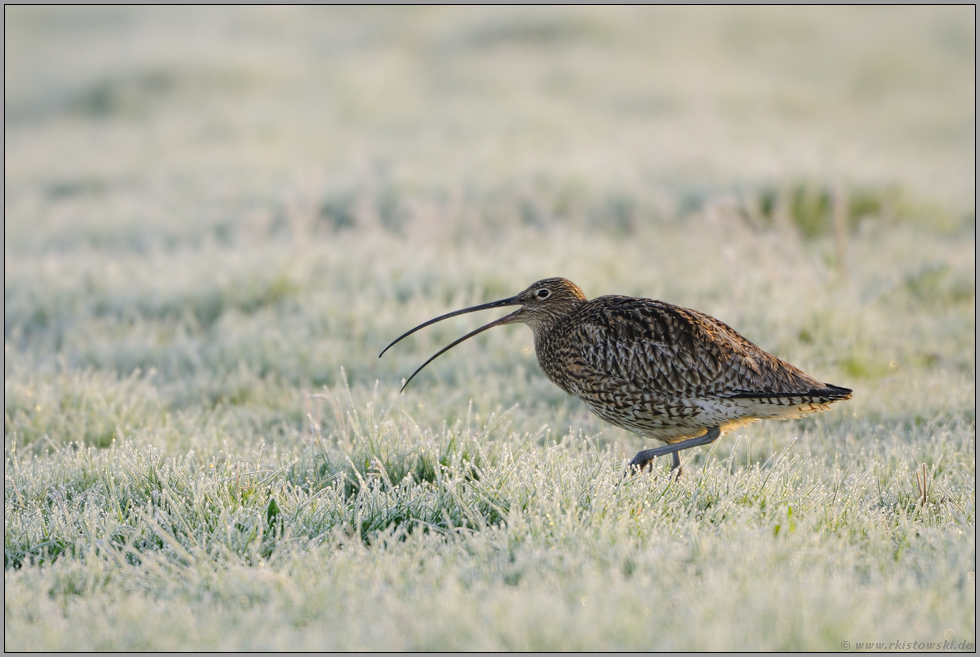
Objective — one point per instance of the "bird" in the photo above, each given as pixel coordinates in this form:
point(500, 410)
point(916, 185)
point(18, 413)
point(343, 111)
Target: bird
point(672, 374)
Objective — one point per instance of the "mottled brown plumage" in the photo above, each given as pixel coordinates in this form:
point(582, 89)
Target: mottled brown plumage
point(662, 371)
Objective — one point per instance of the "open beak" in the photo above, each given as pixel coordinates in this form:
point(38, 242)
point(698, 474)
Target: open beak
point(506, 319)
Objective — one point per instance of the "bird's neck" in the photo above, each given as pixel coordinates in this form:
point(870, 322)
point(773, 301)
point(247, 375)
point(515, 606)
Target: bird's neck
point(548, 339)
point(546, 324)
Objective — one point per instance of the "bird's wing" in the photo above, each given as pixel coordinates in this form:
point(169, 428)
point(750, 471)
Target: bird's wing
point(675, 352)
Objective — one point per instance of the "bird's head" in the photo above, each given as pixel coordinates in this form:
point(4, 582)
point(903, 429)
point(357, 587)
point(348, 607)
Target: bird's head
point(546, 302)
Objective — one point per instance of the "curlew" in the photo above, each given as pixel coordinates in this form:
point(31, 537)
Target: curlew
point(662, 371)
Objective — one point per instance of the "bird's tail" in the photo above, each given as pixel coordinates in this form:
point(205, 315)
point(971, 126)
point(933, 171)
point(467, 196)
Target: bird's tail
point(832, 392)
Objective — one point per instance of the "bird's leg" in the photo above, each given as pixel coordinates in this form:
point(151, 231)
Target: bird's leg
point(675, 467)
point(641, 460)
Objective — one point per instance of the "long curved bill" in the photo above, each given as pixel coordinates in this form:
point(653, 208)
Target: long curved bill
point(506, 319)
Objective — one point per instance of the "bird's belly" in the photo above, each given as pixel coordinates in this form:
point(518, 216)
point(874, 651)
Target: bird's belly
point(673, 420)
point(667, 420)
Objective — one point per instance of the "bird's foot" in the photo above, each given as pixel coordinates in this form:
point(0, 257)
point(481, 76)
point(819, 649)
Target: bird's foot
point(644, 460)
point(639, 463)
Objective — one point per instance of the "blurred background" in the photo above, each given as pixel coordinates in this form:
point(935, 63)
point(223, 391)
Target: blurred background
point(680, 102)
point(222, 207)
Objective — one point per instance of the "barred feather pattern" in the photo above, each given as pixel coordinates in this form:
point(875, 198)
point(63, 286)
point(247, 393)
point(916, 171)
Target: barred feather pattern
point(667, 372)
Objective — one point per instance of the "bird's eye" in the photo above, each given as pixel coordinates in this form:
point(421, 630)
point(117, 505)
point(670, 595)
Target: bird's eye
point(543, 293)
